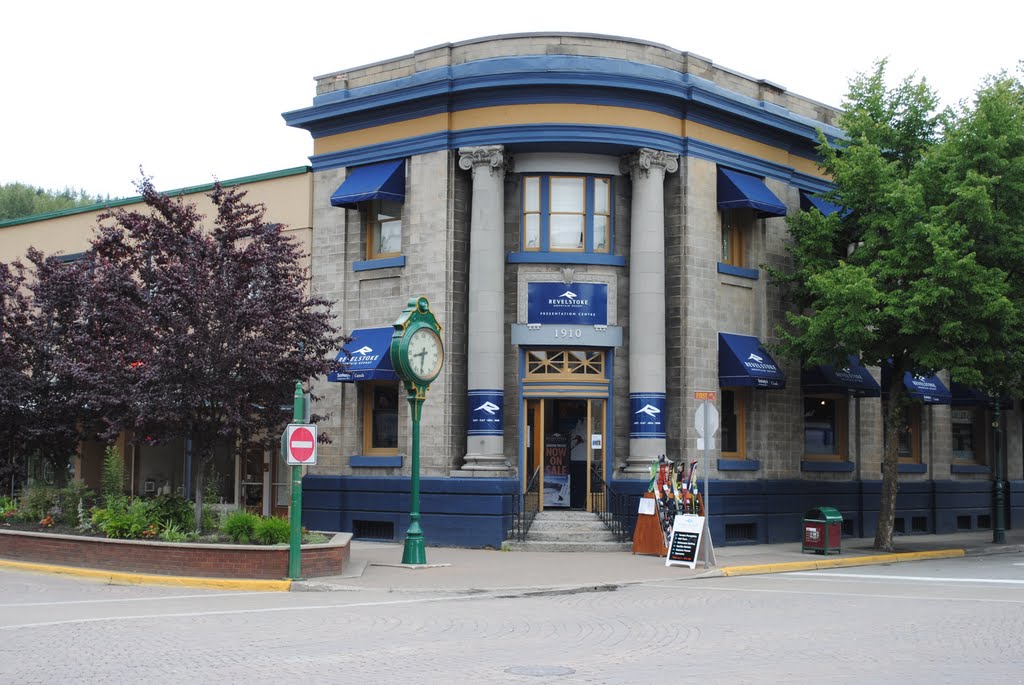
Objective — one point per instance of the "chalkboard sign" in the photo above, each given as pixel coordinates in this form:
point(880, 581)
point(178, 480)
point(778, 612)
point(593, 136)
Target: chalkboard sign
point(685, 541)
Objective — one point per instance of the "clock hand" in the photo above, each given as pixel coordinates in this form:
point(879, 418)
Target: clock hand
point(421, 354)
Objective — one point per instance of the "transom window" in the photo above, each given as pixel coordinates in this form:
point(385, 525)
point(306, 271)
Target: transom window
point(575, 363)
point(567, 213)
point(383, 228)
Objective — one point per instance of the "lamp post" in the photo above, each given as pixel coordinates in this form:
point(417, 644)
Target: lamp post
point(999, 494)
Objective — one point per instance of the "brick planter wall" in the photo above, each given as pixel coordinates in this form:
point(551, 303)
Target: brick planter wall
point(174, 559)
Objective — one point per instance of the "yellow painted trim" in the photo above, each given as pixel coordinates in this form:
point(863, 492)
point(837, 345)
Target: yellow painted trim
point(836, 562)
point(596, 115)
point(251, 585)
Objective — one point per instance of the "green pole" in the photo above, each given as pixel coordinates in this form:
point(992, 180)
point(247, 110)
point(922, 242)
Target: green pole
point(998, 523)
point(414, 551)
point(295, 536)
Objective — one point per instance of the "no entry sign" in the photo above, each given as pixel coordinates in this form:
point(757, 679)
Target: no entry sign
point(300, 444)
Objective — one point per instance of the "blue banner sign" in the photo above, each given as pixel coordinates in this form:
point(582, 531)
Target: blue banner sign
point(579, 303)
point(486, 412)
point(648, 412)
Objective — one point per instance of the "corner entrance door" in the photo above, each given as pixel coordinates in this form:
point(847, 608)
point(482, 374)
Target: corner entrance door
point(564, 447)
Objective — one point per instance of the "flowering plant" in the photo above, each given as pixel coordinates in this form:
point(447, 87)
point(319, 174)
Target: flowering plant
point(47, 522)
point(150, 531)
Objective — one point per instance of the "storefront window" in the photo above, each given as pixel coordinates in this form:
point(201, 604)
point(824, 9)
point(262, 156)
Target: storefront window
point(825, 426)
point(380, 418)
point(733, 424)
point(968, 434)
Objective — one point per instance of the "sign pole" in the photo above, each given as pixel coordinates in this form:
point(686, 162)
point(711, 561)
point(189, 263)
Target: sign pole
point(295, 532)
point(707, 495)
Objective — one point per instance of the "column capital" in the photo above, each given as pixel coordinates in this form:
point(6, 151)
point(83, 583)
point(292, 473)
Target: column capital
point(639, 163)
point(491, 156)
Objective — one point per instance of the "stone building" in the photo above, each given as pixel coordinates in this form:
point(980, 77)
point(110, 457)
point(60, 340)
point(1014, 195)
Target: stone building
point(588, 217)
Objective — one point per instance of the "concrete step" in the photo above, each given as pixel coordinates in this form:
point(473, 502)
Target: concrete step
point(566, 515)
point(604, 535)
point(563, 546)
point(567, 525)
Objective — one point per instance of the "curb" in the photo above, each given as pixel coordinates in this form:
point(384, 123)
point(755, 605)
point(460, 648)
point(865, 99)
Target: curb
point(873, 560)
point(121, 578)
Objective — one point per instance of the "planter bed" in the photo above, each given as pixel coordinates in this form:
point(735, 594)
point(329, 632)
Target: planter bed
point(264, 562)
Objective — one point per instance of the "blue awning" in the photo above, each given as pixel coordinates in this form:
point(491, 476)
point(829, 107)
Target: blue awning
point(384, 181)
point(367, 357)
point(964, 396)
point(737, 190)
point(742, 360)
point(853, 380)
point(927, 389)
point(809, 202)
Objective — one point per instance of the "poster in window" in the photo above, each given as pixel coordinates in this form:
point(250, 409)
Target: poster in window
point(556, 470)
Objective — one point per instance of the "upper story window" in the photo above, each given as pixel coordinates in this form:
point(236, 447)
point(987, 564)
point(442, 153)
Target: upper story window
point(566, 213)
point(736, 225)
point(383, 223)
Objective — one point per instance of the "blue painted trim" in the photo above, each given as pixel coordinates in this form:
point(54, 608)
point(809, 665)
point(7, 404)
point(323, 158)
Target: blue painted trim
point(969, 468)
point(911, 468)
point(739, 464)
point(826, 466)
point(565, 258)
point(391, 461)
point(741, 271)
point(620, 78)
point(383, 263)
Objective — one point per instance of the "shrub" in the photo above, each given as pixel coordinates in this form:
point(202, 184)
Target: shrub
point(272, 531)
point(112, 484)
point(69, 498)
point(240, 526)
point(211, 519)
point(173, 533)
point(127, 522)
point(174, 510)
point(37, 502)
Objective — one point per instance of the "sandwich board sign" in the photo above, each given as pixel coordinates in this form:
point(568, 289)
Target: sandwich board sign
point(689, 532)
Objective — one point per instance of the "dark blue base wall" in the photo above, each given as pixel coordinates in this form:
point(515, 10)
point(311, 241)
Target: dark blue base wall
point(762, 512)
point(477, 512)
point(460, 512)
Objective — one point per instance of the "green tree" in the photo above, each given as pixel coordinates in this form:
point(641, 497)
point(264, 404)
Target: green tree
point(893, 278)
point(18, 200)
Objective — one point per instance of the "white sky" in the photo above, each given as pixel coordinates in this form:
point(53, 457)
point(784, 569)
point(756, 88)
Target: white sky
point(192, 91)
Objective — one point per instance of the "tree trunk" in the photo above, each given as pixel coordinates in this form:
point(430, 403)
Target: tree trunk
point(893, 421)
point(199, 499)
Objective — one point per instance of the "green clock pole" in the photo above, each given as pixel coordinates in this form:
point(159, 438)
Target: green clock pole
point(414, 551)
point(295, 522)
point(417, 355)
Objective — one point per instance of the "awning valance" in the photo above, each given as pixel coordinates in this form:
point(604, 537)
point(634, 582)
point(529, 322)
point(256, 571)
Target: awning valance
point(964, 396)
point(737, 190)
point(367, 357)
point(927, 389)
point(853, 380)
point(384, 181)
point(743, 361)
point(809, 201)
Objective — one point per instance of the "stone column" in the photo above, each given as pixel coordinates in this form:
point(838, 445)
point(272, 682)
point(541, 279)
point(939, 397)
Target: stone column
point(647, 169)
point(486, 334)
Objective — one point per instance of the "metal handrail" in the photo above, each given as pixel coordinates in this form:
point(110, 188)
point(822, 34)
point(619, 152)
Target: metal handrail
point(612, 508)
point(526, 506)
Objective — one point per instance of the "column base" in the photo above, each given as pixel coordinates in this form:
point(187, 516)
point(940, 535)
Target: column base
point(486, 464)
point(642, 453)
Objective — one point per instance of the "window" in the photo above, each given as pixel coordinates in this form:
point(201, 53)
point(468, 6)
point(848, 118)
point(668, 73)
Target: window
point(383, 222)
point(735, 226)
point(969, 434)
point(567, 214)
point(909, 437)
point(380, 418)
point(734, 424)
point(825, 427)
point(579, 364)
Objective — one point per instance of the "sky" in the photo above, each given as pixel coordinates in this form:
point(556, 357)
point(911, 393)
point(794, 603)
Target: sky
point(193, 91)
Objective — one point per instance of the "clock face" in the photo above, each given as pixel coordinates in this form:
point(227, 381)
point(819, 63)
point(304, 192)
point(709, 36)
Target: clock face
point(425, 354)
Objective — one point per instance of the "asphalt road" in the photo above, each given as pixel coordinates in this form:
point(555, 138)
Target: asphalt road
point(944, 621)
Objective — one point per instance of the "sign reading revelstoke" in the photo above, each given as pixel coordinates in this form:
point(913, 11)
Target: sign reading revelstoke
point(578, 303)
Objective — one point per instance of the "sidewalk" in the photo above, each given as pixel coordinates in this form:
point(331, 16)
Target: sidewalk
point(463, 571)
